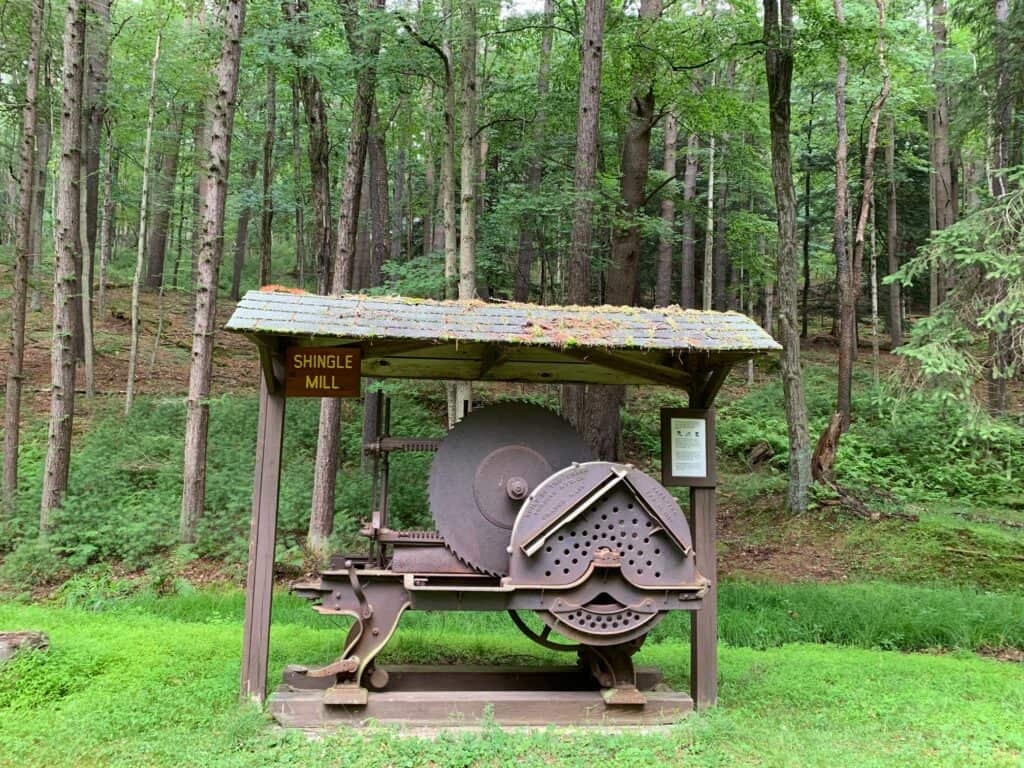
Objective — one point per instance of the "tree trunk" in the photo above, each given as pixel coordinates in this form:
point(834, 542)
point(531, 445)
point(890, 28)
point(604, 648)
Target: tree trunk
point(805, 296)
point(688, 279)
point(707, 276)
point(143, 206)
point(663, 286)
point(380, 206)
point(467, 182)
point(429, 171)
point(97, 64)
point(585, 165)
point(847, 277)
point(942, 175)
point(720, 254)
point(778, 33)
point(300, 226)
point(162, 202)
point(242, 235)
point(576, 397)
point(319, 149)
point(529, 232)
point(266, 200)
point(397, 206)
point(22, 262)
point(44, 140)
point(850, 279)
point(68, 248)
point(220, 119)
point(107, 230)
point(448, 193)
point(364, 42)
point(891, 242)
point(1004, 147)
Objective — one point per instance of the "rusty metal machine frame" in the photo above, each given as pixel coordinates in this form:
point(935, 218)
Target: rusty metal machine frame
point(538, 502)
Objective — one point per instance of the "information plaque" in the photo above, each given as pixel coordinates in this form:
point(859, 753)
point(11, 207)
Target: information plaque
point(688, 447)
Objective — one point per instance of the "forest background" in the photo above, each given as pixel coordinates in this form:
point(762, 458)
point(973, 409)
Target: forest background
point(848, 173)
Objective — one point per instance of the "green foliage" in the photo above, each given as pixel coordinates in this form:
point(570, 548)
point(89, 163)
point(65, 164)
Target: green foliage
point(893, 443)
point(978, 330)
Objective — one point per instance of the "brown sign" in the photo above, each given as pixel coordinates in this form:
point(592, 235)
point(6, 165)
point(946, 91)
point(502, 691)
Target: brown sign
point(322, 372)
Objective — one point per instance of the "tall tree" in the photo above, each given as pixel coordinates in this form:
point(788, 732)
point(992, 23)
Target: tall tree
point(266, 199)
point(319, 151)
point(133, 353)
point(242, 233)
point(300, 226)
point(44, 139)
point(891, 240)
point(575, 396)
point(65, 287)
point(529, 232)
point(663, 286)
point(364, 44)
point(942, 168)
point(163, 199)
point(778, 35)
point(22, 261)
point(220, 119)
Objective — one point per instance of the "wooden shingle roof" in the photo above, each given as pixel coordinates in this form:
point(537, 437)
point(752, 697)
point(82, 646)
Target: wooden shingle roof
point(355, 316)
point(419, 338)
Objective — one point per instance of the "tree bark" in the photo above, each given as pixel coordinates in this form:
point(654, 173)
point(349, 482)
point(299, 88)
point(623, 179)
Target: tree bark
point(22, 262)
point(467, 183)
point(707, 273)
point(429, 171)
point(585, 165)
point(266, 199)
point(97, 64)
point(220, 119)
point(242, 235)
point(1005, 149)
point(847, 277)
point(318, 150)
point(529, 232)
point(68, 248)
point(44, 140)
point(364, 42)
point(380, 205)
point(891, 241)
point(778, 33)
point(107, 229)
point(133, 353)
point(942, 171)
point(300, 226)
point(850, 277)
point(805, 295)
point(663, 286)
point(688, 278)
point(576, 398)
point(162, 202)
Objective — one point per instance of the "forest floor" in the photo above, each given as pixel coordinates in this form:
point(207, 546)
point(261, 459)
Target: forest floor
point(844, 641)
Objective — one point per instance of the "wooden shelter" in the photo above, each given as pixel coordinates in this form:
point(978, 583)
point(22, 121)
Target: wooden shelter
point(408, 338)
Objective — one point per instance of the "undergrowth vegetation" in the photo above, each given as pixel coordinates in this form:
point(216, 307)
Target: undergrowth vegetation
point(125, 489)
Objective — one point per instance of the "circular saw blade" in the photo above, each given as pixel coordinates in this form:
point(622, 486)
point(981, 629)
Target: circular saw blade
point(483, 464)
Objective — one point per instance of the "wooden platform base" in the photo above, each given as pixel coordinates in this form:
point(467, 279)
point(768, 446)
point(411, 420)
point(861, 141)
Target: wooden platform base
point(419, 696)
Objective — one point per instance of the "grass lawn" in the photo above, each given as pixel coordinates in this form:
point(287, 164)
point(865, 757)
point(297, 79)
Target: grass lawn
point(153, 684)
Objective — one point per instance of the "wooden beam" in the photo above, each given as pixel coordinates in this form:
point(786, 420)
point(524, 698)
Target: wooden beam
point(709, 389)
point(259, 581)
point(704, 622)
point(652, 372)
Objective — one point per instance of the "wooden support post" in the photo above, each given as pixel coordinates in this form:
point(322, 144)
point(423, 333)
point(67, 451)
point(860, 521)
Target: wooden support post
point(259, 583)
point(704, 622)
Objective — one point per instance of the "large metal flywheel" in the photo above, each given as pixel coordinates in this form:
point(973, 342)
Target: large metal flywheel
point(484, 470)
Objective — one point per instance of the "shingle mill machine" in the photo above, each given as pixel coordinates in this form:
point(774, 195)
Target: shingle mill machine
point(585, 556)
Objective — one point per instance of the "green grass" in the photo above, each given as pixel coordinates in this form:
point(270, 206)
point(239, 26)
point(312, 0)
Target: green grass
point(130, 688)
point(875, 615)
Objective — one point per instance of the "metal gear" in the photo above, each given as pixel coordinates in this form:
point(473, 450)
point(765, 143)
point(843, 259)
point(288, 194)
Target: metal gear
point(486, 467)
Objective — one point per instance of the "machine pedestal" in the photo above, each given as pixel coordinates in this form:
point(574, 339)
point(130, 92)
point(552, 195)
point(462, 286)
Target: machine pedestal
point(457, 696)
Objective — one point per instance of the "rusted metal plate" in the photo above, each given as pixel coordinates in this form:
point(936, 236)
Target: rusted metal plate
point(322, 371)
point(486, 466)
point(396, 317)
